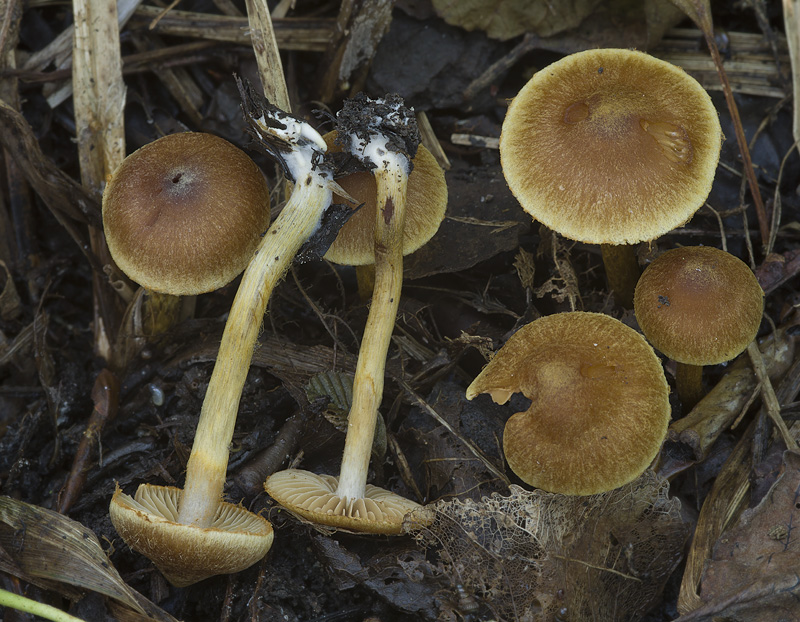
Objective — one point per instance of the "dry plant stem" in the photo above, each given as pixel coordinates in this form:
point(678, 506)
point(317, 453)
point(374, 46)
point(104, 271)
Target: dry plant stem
point(391, 180)
point(791, 21)
point(725, 402)
point(359, 28)
point(747, 162)
point(99, 101)
point(700, 12)
point(265, 46)
point(205, 472)
point(622, 271)
point(771, 403)
point(307, 34)
point(252, 475)
point(105, 395)
point(689, 383)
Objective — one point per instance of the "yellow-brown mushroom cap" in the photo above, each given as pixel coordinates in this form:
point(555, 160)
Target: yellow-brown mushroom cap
point(313, 497)
point(611, 146)
point(599, 402)
point(236, 540)
point(699, 305)
point(426, 202)
point(184, 214)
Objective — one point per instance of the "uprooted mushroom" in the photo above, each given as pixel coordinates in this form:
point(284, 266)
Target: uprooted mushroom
point(382, 134)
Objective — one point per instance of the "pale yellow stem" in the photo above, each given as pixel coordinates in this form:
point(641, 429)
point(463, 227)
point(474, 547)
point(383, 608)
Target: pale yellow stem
point(391, 182)
point(208, 462)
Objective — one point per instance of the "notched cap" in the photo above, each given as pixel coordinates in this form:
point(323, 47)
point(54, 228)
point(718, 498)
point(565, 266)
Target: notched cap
point(699, 305)
point(147, 522)
point(599, 402)
point(313, 497)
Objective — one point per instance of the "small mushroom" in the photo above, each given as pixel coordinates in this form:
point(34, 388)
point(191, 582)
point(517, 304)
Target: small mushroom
point(426, 202)
point(382, 134)
point(611, 147)
point(195, 517)
point(599, 402)
point(699, 306)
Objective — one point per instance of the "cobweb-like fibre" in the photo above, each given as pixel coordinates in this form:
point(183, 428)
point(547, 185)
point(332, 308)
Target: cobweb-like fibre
point(536, 556)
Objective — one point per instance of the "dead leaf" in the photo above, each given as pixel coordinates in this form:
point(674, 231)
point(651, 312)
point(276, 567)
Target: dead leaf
point(541, 556)
point(47, 545)
point(393, 574)
point(753, 574)
point(480, 206)
point(451, 467)
point(505, 19)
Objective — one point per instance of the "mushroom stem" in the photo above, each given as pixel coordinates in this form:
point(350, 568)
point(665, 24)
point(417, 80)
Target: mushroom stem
point(365, 278)
point(622, 271)
point(299, 219)
point(205, 472)
point(689, 383)
point(391, 180)
point(161, 312)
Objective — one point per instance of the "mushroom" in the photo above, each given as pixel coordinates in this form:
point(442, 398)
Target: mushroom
point(185, 532)
point(383, 135)
point(611, 147)
point(425, 207)
point(183, 214)
point(699, 306)
point(599, 402)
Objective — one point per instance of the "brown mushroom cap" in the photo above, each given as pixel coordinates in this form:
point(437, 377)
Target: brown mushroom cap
point(599, 402)
point(184, 214)
point(426, 202)
point(236, 540)
point(313, 497)
point(699, 305)
point(611, 146)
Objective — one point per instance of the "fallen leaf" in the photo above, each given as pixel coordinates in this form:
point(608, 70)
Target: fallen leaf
point(753, 574)
point(505, 19)
point(47, 545)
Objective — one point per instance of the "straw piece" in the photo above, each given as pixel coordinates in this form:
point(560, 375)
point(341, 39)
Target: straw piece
point(99, 100)
point(307, 34)
point(265, 47)
point(791, 21)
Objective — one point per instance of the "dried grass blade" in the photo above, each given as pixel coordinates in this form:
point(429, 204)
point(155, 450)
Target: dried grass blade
point(265, 47)
point(99, 99)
